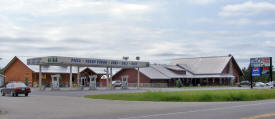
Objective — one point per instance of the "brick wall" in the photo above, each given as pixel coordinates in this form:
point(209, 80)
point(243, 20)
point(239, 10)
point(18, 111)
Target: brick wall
point(236, 73)
point(132, 76)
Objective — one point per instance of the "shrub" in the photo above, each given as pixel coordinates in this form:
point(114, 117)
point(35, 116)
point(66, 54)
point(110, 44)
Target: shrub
point(179, 83)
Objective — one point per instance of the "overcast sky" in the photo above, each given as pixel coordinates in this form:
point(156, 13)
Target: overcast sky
point(155, 30)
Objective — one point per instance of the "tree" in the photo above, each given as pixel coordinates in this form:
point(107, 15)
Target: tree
point(246, 76)
point(179, 83)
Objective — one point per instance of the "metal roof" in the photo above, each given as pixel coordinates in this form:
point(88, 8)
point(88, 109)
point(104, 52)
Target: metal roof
point(174, 67)
point(203, 65)
point(152, 73)
point(163, 69)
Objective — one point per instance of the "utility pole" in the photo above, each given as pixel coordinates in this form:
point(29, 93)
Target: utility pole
point(271, 70)
point(251, 77)
point(138, 75)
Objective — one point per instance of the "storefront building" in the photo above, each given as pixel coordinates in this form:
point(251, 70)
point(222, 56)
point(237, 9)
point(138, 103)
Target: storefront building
point(18, 70)
point(200, 71)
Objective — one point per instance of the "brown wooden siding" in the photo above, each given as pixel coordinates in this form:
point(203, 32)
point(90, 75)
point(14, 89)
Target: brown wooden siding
point(18, 71)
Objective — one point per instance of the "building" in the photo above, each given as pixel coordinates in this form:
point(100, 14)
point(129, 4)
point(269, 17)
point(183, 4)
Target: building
point(18, 70)
point(221, 70)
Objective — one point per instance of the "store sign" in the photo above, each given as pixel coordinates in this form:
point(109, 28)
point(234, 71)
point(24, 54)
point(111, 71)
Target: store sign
point(260, 66)
point(260, 62)
point(256, 71)
point(56, 60)
point(265, 71)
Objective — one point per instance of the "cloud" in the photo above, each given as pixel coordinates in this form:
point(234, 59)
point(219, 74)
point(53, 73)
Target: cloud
point(247, 9)
point(202, 2)
point(235, 21)
point(101, 29)
point(58, 8)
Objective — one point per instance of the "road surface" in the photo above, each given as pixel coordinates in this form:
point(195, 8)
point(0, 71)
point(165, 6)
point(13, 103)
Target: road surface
point(51, 106)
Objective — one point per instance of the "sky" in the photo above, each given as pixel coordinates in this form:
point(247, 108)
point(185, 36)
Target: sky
point(155, 30)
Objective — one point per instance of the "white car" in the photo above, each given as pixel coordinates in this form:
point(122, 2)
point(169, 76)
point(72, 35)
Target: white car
point(116, 83)
point(271, 84)
point(260, 84)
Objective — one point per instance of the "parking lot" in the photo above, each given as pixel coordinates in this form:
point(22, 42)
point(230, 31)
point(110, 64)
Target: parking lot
point(71, 105)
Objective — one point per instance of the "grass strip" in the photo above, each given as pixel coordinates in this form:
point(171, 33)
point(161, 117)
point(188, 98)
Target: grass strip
point(193, 96)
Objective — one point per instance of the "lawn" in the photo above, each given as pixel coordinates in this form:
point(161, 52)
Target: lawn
point(193, 96)
point(191, 87)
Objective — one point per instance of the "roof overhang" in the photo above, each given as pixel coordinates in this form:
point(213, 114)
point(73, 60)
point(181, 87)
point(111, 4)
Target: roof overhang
point(85, 62)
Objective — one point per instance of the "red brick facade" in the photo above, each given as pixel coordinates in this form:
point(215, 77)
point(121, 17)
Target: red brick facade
point(132, 76)
point(235, 70)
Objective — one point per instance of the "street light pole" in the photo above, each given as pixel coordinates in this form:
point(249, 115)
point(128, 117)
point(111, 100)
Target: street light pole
point(138, 77)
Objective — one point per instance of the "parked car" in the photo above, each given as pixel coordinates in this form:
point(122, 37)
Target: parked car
point(15, 88)
point(260, 84)
point(271, 84)
point(244, 83)
point(116, 83)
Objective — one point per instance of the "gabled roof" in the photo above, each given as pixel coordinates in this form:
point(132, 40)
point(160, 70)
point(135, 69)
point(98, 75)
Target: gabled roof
point(46, 69)
point(160, 71)
point(152, 73)
point(203, 65)
point(12, 61)
point(164, 70)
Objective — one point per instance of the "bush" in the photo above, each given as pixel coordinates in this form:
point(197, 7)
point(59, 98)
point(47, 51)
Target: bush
point(179, 83)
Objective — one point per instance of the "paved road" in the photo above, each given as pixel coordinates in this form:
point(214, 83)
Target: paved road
point(50, 106)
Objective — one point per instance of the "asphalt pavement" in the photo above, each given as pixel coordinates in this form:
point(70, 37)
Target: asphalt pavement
point(50, 105)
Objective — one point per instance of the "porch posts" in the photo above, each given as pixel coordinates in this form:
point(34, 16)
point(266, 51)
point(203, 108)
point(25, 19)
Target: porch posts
point(138, 78)
point(78, 76)
point(213, 81)
point(40, 77)
point(71, 77)
point(107, 80)
point(111, 77)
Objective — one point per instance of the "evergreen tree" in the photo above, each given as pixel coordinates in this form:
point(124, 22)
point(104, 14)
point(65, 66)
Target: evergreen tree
point(179, 83)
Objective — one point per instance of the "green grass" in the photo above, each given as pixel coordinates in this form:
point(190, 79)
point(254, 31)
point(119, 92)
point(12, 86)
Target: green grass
point(193, 96)
point(191, 87)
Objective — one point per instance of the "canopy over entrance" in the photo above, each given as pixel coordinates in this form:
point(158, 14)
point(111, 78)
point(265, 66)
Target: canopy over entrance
point(84, 62)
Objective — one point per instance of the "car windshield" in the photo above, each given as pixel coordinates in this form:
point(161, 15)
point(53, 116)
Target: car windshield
point(19, 85)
